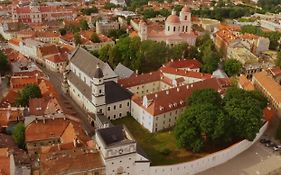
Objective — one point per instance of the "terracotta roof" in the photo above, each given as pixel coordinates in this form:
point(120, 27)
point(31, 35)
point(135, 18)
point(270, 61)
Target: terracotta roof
point(275, 71)
point(8, 115)
point(4, 161)
point(18, 82)
point(49, 50)
point(173, 19)
point(72, 161)
point(57, 58)
point(174, 98)
point(51, 129)
point(184, 63)
point(9, 99)
point(14, 41)
point(271, 86)
point(135, 80)
point(268, 113)
point(47, 34)
point(185, 73)
point(37, 106)
point(245, 83)
point(226, 35)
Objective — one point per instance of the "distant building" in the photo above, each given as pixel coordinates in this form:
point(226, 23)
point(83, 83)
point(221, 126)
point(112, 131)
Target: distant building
point(104, 26)
point(35, 13)
point(121, 3)
point(269, 87)
point(7, 162)
point(178, 29)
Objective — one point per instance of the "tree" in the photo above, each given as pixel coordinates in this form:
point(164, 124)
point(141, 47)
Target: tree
point(62, 31)
point(18, 135)
point(95, 38)
point(117, 33)
point(149, 13)
point(232, 67)
point(202, 96)
point(164, 12)
point(28, 92)
point(84, 25)
point(109, 5)
point(278, 60)
point(89, 11)
point(77, 39)
point(4, 64)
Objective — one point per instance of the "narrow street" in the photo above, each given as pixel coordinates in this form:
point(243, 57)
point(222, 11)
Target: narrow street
point(67, 102)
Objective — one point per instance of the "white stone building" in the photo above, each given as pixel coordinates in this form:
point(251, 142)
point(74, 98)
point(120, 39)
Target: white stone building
point(120, 152)
point(92, 84)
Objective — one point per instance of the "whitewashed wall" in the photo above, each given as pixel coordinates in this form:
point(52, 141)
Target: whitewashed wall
point(206, 162)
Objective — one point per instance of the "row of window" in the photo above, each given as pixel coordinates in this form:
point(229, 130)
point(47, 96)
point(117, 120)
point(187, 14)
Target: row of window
point(184, 28)
point(120, 106)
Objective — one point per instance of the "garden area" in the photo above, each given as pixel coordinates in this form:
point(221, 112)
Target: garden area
point(160, 147)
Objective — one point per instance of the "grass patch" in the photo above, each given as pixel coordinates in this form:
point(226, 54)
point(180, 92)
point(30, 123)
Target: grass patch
point(160, 147)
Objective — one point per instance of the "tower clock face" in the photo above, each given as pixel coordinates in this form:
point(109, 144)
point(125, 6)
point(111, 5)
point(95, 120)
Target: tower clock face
point(120, 151)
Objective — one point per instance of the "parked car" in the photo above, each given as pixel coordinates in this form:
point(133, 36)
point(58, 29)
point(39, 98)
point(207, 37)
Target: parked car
point(264, 141)
point(271, 144)
point(277, 147)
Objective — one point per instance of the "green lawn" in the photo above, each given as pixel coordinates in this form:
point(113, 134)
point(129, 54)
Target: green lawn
point(160, 147)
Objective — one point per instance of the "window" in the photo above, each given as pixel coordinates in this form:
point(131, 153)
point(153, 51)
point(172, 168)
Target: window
point(114, 107)
point(114, 116)
point(174, 29)
point(168, 28)
point(128, 104)
point(120, 106)
point(120, 114)
point(100, 91)
point(185, 18)
point(108, 108)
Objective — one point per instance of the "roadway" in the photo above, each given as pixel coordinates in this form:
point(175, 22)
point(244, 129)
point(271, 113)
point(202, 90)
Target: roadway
point(66, 101)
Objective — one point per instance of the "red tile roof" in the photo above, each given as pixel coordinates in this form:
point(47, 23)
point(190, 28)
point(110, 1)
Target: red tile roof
point(185, 73)
point(245, 83)
point(57, 58)
point(18, 82)
point(8, 115)
point(174, 98)
point(9, 99)
point(184, 63)
point(49, 50)
point(14, 41)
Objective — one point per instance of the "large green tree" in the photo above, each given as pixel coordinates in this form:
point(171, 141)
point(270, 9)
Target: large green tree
point(278, 60)
point(4, 64)
point(84, 25)
point(28, 92)
point(77, 39)
point(18, 135)
point(95, 38)
point(232, 67)
point(202, 96)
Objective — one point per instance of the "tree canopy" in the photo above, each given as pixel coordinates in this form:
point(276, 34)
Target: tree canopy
point(84, 25)
point(209, 119)
point(5, 66)
point(278, 60)
point(95, 38)
point(117, 33)
point(270, 5)
point(18, 135)
point(232, 67)
point(77, 39)
point(28, 92)
point(89, 11)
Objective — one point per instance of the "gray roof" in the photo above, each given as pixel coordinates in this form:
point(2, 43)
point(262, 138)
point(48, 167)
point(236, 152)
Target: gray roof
point(122, 71)
point(219, 73)
point(114, 136)
point(80, 85)
point(114, 93)
point(87, 63)
point(99, 73)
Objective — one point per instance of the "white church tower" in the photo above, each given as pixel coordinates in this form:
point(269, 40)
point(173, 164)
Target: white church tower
point(98, 91)
point(185, 20)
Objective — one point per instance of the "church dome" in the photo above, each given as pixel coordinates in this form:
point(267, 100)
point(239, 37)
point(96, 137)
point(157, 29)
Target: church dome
point(173, 19)
point(185, 9)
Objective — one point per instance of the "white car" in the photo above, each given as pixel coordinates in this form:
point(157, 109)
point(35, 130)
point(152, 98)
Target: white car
point(277, 147)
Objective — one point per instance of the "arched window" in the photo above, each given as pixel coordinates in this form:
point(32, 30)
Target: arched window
point(186, 28)
point(182, 28)
point(168, 28)
point(174, 29)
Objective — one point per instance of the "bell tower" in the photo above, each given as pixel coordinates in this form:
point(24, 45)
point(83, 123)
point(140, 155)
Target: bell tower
point(98, 91)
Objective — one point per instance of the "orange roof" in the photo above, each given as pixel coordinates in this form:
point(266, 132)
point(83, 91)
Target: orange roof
point(226, 35)
point(57, 58)
point(67, 162)
point(49, 50)
point(37, 106)
point(8, 115)
point(185, 73)
point(51, 129)
point(47, 34)
point(4, 161)
point(271, 86)
point(9, 99)
point(268, 113)
point(275, 71)
point(184, 63)
point(174, 98)
point(245, 83)
point(14, 41)
point(18, 82)
point(140, 79)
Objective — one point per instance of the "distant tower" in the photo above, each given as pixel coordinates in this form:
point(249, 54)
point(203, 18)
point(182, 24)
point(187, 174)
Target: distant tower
point(98, 91)
point(185, 19)
point(142, 30)
point(36, 16)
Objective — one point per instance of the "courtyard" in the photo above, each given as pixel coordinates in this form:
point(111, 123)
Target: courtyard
point(160, 147)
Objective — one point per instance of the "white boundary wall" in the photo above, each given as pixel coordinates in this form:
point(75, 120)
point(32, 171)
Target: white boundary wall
point(206, 162)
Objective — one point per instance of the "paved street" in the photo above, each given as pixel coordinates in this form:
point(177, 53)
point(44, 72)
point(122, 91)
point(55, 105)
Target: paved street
point(248, 158)
point(67, 102)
